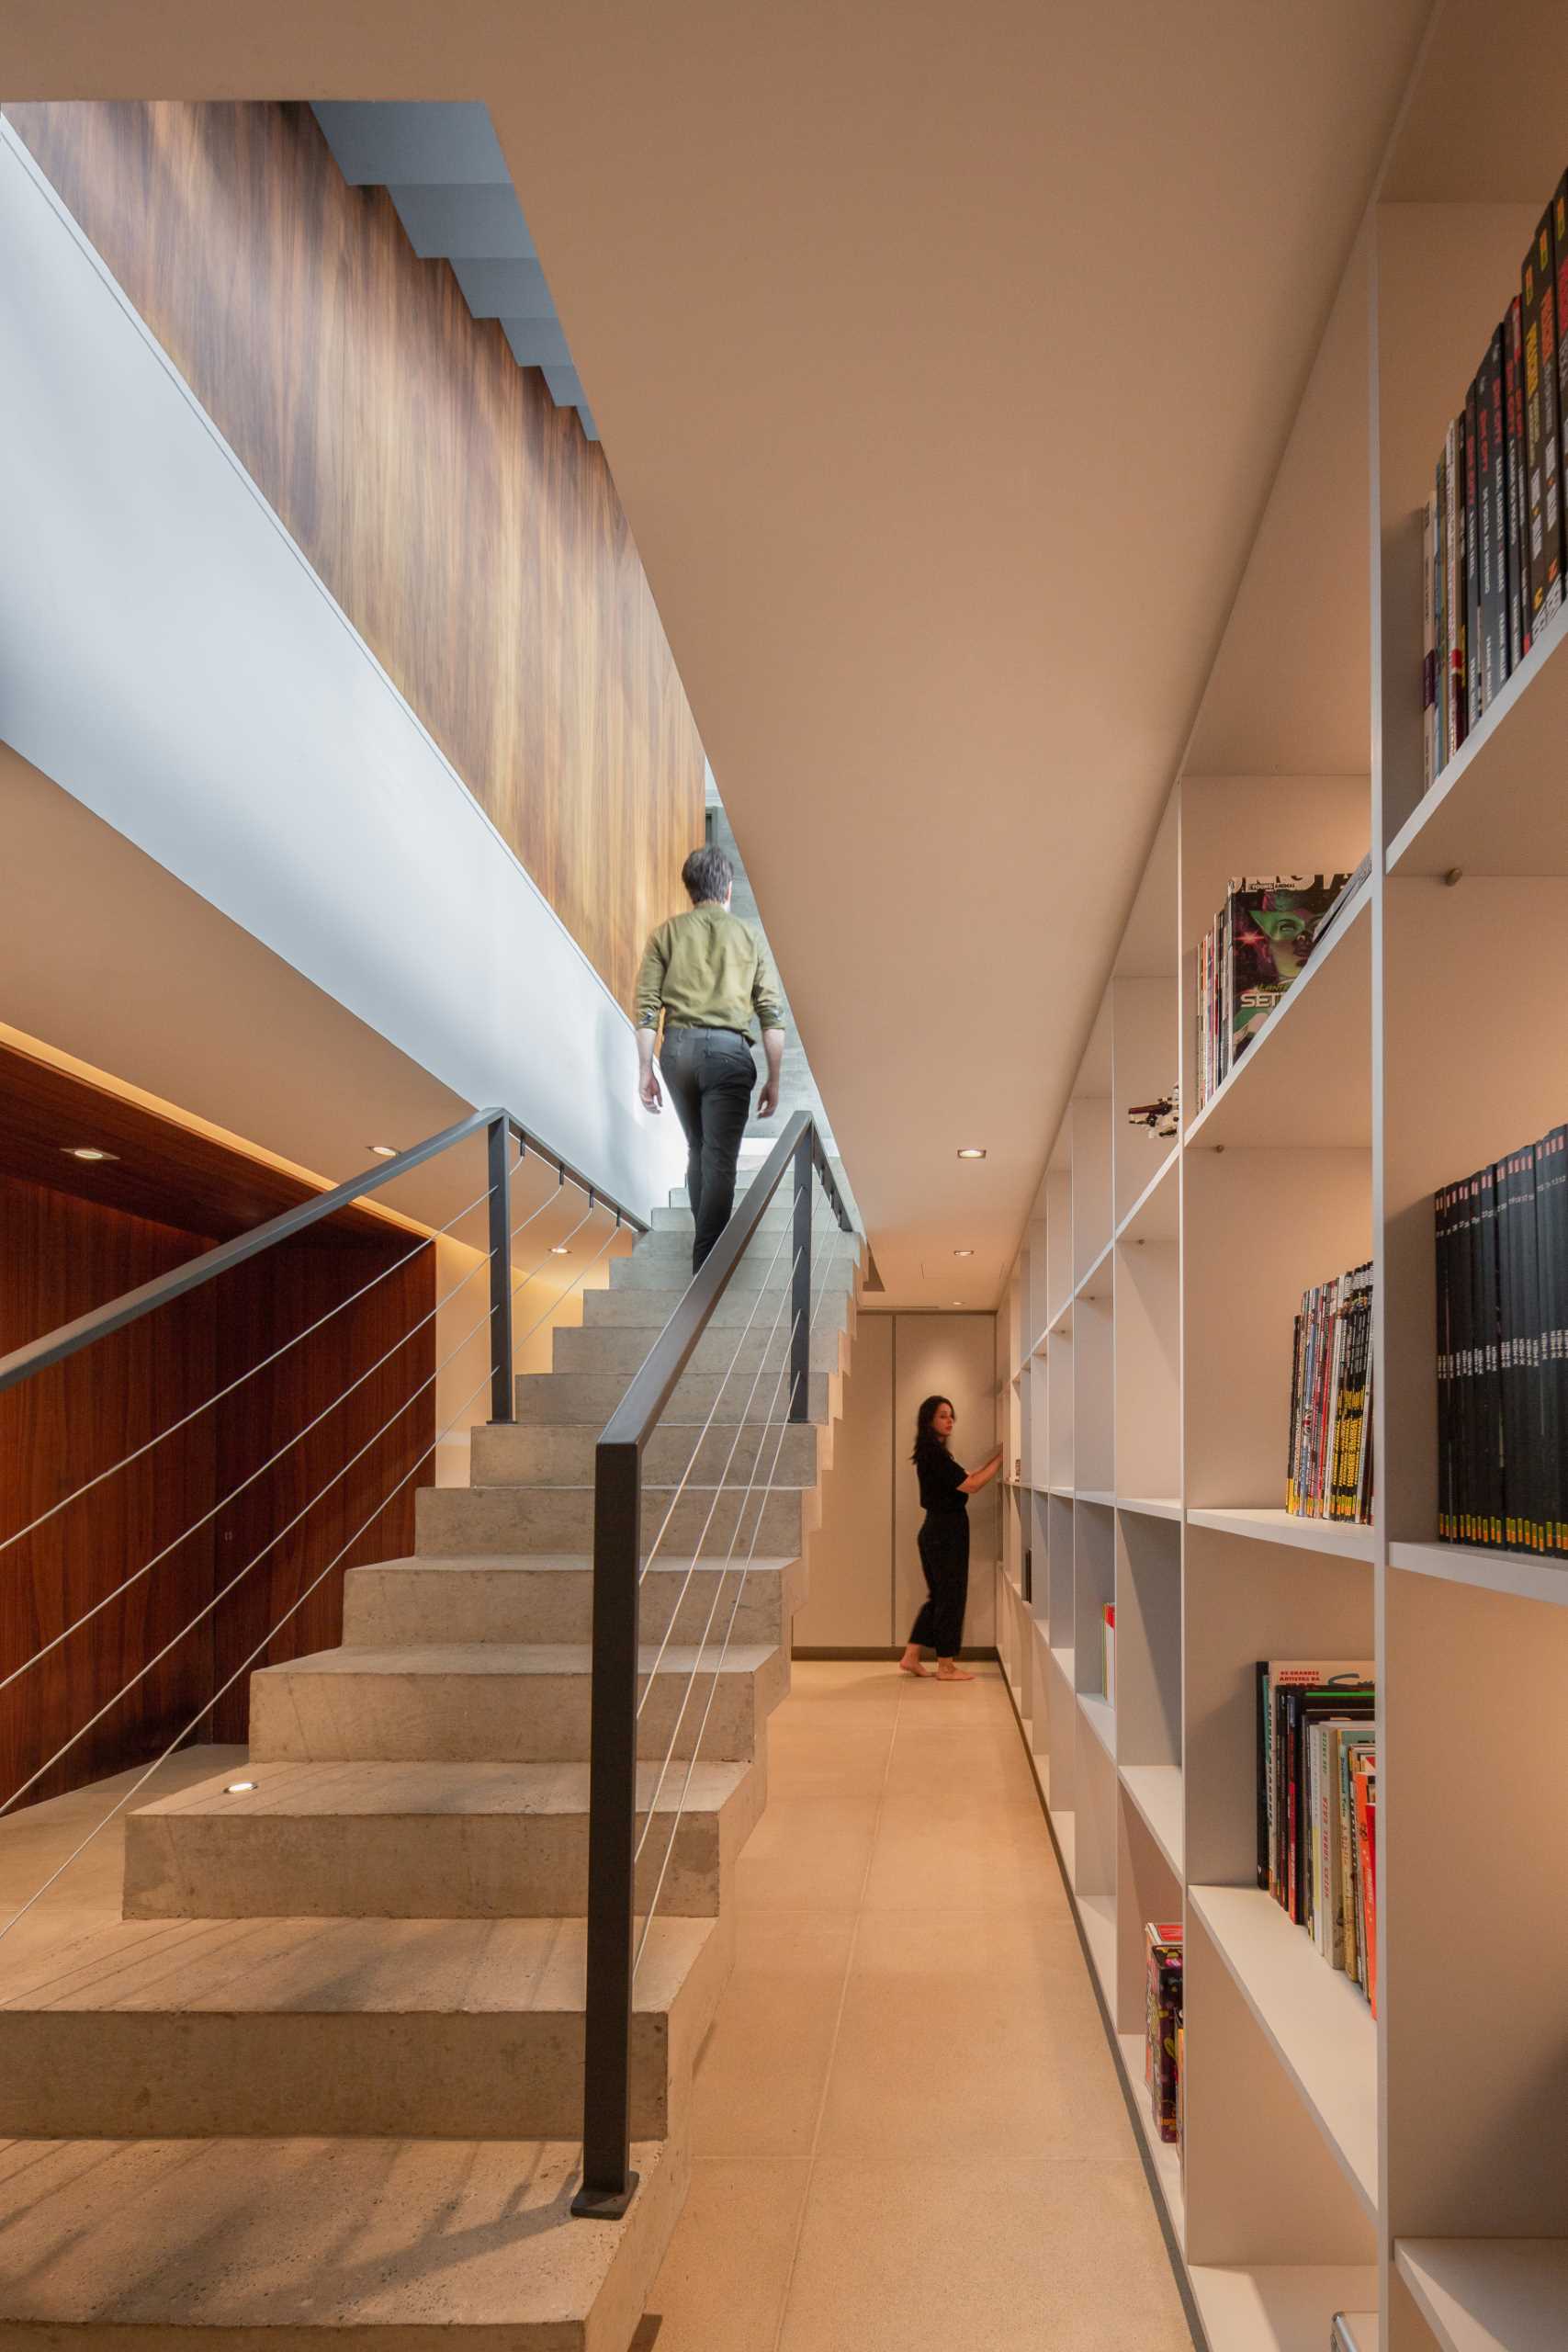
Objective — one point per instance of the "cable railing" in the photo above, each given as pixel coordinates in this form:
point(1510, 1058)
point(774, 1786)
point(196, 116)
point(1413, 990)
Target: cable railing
point(507, 1145)
point(616, 1845)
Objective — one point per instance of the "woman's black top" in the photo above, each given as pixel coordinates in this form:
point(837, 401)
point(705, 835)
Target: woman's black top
point(942, 1481)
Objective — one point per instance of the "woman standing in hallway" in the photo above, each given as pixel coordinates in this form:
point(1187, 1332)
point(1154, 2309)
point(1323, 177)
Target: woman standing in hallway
point(945, 1489)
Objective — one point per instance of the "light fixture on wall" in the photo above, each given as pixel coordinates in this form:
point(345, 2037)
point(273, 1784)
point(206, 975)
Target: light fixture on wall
point(384, 1151)
point(971, 1151)
point(86, 1151)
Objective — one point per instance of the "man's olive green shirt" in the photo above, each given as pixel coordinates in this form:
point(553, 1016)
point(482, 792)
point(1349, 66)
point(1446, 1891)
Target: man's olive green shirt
point(710, 970)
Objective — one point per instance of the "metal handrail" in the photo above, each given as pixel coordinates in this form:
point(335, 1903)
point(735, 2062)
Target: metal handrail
point(608, 2180)
point(55, 1347)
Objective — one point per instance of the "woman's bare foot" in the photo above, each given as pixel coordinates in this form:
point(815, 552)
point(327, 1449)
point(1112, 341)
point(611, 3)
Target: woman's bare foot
point(947, 1671)
point(910, 1664)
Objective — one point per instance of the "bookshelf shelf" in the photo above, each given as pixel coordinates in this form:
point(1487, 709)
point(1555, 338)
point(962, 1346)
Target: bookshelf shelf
point(1489, 2294)
point(1155, 1791)
point(1523, 1575)
point(1166, 1278)
point(1101, 1717)
point(1150, 1506)
point(1165, 2154)
point(1272, 2309)
point(1277, 1526)
point(1316, 2019)
point(1497, 808)
point(1306, 1078)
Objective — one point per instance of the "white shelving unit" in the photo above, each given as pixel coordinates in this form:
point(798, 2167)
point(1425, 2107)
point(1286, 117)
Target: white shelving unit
point(1406, 2169)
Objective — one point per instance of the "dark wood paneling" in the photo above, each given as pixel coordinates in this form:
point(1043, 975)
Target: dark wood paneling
point(465, 524)
point(59, 1256)
point(170, 1175)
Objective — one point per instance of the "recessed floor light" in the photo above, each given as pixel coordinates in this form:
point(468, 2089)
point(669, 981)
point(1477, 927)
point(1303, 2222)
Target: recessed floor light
point(971, 1151)
point(385, 1151)
point(239, 1788)
point(86, 1151)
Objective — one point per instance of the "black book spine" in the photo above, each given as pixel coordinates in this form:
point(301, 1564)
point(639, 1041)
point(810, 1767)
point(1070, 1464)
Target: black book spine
point(1467, 1452)
point(1526, 1350)
point(1263, 1774)
point(1551, 446)
point(1553, 1208)
point(1491, 1378)
point(1472, 560)
point(1512, 1426)
point(1445, 1373)
point(1559, 208)
point(1494, 525)
point(1514, 467)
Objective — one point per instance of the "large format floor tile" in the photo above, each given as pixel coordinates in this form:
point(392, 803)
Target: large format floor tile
point(908, 2129)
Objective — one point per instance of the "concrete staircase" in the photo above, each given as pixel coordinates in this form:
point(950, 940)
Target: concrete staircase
point(321, 2084)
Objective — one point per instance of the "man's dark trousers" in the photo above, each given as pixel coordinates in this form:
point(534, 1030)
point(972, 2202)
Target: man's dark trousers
point(710, 1074)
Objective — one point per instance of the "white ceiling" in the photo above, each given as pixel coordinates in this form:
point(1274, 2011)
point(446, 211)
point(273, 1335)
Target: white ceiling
point(943, 359)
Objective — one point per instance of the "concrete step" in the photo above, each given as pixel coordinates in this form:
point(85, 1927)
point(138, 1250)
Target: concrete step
point(451, 1521)
point(650, 1310)
point(494, 1703)
point(659, 1263)
point(425, 1841)
point(773, 1245)
point(454, 2029)
point(510, 1597)
point(760, 1356)
point(310, 2245)
point(564, 1398)
point(733, 1452)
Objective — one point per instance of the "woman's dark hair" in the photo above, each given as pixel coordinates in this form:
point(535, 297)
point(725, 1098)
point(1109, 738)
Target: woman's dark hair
point(925, 1436)
point(707, 874)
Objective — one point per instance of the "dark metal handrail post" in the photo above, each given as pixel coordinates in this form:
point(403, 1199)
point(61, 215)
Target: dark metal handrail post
point(502, 1390)
point(608, 2180)
point(800, 1285)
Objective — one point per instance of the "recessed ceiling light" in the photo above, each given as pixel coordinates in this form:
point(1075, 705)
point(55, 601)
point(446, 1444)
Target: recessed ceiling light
point(964, 1253)
point(385, 1151)
point(239, 1788)
point(559, 1250)
point(86, 1151)
point(958, 1302)
point(971, 1151)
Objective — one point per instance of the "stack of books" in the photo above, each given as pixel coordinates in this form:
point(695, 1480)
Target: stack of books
point(1502, 1244)
point(1329, 1471)
point(1317, 1805)
point(1108, 1649)
point(1494, 543)
point(1254, 950)
point(1162, 2071)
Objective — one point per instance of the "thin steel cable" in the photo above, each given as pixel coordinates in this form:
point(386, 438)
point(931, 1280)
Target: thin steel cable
point(196, 1410)
point(223, 1504)
point(223, 1690)
point(718, 1487)
point(712, 1611)
point(746, 1333)
point(206, 1610)
point(522, 1282)
point(713, 1692)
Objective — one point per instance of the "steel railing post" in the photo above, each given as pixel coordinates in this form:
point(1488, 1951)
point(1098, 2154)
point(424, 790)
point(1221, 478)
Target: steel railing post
point(800, 1286)
point(501, 1387)
point(608, 2180)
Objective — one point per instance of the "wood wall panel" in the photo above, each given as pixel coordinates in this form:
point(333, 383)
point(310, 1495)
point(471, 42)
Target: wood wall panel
point(59, 1256)
point(466, 526)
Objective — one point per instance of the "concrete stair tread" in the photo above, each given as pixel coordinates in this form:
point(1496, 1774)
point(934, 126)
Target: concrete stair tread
point(513, 1658)
point(388, 2243)
point(337, 1967)
point(311, 1792)
point(569, 1562)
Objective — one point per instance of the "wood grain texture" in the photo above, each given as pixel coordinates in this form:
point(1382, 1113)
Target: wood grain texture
point(60, 1255)
point(466, 526)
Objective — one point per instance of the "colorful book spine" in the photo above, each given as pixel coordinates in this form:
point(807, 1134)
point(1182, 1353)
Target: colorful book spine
point(1453, 588)
point(1429, 761)
point(1514, 467)
point(1494, 522)
point(1472, 560)
point(1163, 1943)
point(1538, 304)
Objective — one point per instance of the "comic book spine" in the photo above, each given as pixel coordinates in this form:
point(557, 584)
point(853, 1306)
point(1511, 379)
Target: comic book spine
point(1453, 587)
point(1494, 525)
point(1429, 650)
point(1513, 467)
point(1472, 559)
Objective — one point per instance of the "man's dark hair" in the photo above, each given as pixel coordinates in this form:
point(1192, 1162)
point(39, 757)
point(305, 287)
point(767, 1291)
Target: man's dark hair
point(707, 874)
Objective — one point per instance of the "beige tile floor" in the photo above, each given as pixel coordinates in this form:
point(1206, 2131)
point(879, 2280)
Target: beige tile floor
point(907, 2128)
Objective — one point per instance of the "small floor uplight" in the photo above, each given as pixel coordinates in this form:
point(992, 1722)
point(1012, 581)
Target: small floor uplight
point(86, 1151)
point(971, 1151)
point(238, 1788)
point(385, 1151)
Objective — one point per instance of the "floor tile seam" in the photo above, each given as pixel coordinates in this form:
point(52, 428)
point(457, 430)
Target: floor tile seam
point(819, 2119)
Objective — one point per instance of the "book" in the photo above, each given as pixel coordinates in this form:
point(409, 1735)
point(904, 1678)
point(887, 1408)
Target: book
point(1277, 1681)
point(1470, 424)
point(1454, 703)
point(1544, 506)
point(1163, 1945)
point(1327, 1463)
point(1440, 616)
point(1492, 506)
point(1429, 761)
point(1513, 464)
point(1254, 951)
point(1366, 1785)
point(1108, 1649)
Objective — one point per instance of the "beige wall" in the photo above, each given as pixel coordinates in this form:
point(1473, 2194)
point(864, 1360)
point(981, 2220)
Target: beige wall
point(866, 1571)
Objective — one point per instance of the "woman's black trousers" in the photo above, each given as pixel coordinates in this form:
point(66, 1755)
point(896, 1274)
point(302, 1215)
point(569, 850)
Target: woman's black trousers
point(944, 1557)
